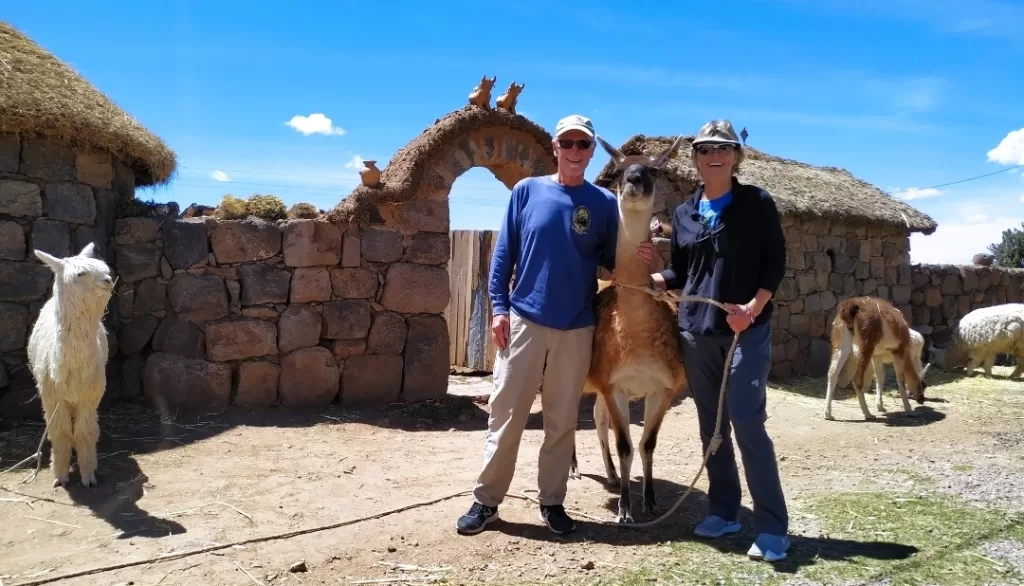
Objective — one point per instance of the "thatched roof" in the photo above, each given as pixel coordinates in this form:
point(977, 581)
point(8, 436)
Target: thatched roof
point(798, 188)
point(40, 95)
point(401, 179)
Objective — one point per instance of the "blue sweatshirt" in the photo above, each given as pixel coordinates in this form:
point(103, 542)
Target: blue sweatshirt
point(554, 237)
point(725, 250)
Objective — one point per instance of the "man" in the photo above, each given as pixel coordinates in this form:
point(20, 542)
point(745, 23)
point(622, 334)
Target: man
point(557, 231)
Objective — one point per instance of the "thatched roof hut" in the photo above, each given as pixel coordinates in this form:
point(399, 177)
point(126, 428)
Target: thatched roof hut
point(40, 95)
point(799, 189)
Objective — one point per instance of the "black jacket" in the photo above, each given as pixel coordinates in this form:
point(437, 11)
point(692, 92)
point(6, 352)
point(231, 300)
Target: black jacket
point(744, 253)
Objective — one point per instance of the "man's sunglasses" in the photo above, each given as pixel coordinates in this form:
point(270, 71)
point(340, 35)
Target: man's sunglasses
point(707, 149)
point(582, 143)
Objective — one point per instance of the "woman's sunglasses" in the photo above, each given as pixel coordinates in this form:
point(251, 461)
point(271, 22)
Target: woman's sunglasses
point(707, 149)
point(582, 143)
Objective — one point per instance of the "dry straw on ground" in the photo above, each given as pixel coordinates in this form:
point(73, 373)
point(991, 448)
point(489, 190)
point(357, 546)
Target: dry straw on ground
point(40, 95)
point(797, 188)
point(402, 177)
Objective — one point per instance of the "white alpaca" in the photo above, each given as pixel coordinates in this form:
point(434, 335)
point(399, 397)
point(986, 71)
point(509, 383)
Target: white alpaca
point(67, 352)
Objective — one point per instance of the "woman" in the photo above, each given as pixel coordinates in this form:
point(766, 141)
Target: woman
point(728, 245)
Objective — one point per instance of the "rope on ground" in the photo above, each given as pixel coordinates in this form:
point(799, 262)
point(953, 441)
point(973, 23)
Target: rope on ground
point(713, 446)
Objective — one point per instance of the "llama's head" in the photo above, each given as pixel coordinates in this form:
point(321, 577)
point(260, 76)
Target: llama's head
point(82, 276)
point(633, 175)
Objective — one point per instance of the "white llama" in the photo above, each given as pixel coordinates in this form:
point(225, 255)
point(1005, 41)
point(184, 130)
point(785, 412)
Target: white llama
point(67, 352)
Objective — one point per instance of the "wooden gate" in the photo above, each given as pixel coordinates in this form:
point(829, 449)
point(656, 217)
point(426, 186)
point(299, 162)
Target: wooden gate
point(469, 306)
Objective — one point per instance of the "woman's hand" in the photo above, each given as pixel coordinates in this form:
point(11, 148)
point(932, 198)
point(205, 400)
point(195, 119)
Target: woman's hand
point(646, 252)
point(740, 316)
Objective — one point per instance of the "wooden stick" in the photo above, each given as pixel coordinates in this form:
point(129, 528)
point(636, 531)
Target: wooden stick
point(251, 577)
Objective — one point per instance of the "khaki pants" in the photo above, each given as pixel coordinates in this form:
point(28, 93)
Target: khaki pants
point(518, 371)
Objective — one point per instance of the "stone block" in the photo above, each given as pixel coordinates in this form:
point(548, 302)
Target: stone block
point(263, 283)
point(138, 261)
point(52, 236)
point(387, 334)
point(179, 336)
point(184, 242)
point(371, 380)
point(820, 356)
point(299, 327)
point(47, 159)
point(134, 336)
point(150, 297)
point(261, 312)
point(951, 285)
point(136, 230)
point(20, 199)
point(309, 377)
point(343, 349)
point(354, 283)
point(257, 384)
point(415, 288)
point(173, 383)
point(13, 327)
point(428, 215)
point(309, 243)
point(24, 281)
point(346, 320)
point(425, 359)
point(932, 297)
point(310, 284)
point(351, 249)
point(799, 325)
point(83, 235)
point(12, 241)
point(240, 339)
point(901, 294)
point(94, 168)
point(828, 300)
point(382, 245)
point(845, 264)
point(70, 202)
point(429, 248)
point(198, 298)
point(10, 153)
point(245, 241)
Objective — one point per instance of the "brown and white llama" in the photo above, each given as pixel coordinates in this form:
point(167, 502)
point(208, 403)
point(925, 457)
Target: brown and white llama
point(67, 354)
point(880, 332)
point(636, 351)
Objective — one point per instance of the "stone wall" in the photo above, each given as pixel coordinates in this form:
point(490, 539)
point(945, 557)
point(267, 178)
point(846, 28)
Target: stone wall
point(828, 261)
point(298, 312)
point(54, 199)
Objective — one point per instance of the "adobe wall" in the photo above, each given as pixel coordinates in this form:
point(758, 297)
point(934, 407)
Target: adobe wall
point(54, 199)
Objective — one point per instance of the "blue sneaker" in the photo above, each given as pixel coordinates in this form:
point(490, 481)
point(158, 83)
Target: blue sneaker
point(715, 526)
point(770, 548)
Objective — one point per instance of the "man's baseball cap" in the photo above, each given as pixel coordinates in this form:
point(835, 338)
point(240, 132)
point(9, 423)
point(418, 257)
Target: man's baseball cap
point(575, 122)
point(716, 132)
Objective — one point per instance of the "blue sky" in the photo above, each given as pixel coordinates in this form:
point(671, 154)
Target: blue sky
point(905, 94)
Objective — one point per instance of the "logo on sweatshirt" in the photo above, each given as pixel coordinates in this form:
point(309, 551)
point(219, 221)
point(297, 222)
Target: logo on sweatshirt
point(580, 219)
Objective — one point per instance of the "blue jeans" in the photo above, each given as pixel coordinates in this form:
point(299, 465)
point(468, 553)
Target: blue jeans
point(744, 415)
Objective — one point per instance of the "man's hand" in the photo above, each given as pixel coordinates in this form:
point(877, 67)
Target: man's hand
point(740, 316)
point(500, 331)
point(646, 252)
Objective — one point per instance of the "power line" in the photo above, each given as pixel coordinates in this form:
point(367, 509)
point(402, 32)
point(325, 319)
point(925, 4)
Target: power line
point(973, 178)
point(456, 199)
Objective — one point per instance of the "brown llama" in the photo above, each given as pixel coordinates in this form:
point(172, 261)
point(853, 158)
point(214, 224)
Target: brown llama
point(878, 330)
point(636, 351)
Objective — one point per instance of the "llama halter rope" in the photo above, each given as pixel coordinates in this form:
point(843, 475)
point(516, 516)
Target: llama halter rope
point(716, 439)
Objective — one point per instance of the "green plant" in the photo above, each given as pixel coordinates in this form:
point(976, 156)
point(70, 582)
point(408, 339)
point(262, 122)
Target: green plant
point(303, 210)
point(1009, 252)
point(267, 207)
point(231, 208)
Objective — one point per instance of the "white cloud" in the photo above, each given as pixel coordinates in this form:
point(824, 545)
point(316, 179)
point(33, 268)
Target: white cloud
point(956, 242)
point(355, 163)
point(315, 123)
point(915, 193)
point(976, 219)
point(1022, 198)
point(219, 175)
point(1010, 150)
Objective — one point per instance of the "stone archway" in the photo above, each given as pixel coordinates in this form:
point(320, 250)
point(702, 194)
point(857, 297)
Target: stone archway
point(399, 228)
point(412, 195)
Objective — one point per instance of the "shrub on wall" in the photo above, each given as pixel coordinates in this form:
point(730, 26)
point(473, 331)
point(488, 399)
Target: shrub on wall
point(267, 207)
point(303, 211)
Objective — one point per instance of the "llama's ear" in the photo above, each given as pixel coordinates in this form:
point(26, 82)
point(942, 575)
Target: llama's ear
point(88, 250)
point(49, 260)
point(613, 152)
point(663, 156)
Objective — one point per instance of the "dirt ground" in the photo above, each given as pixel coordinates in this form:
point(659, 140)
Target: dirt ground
point(170, 486)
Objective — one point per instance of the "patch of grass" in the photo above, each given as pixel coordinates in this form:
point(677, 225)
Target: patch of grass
point(962, 468)
point(866, 537)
